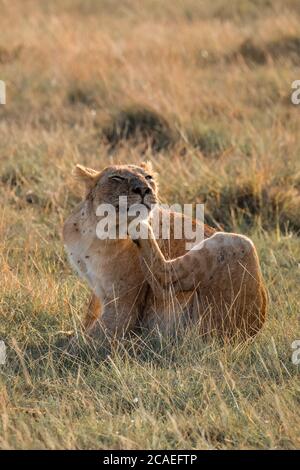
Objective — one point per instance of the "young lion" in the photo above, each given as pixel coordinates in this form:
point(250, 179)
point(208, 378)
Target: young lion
point(156, 283)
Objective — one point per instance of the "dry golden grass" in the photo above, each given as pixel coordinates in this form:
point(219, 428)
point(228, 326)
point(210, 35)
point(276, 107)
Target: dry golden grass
point(218, 76)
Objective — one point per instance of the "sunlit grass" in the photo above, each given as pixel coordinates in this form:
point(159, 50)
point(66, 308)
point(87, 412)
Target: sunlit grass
point(221, 94)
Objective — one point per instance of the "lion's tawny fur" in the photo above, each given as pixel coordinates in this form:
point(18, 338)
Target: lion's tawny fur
point(157, 283)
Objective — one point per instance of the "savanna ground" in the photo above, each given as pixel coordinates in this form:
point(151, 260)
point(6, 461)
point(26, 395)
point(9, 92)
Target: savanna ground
point(202, 89)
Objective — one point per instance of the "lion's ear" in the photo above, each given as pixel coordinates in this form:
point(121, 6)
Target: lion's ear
point(85, 175)
point(147, 166)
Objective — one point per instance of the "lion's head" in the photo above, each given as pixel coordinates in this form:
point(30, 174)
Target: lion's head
point(136, 183)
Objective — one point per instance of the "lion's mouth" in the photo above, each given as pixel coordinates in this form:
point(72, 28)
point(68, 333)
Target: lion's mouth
point(148, 202)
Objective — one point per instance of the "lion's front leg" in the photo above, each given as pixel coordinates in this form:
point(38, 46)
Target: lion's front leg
point(117, 319)
point(93, 312)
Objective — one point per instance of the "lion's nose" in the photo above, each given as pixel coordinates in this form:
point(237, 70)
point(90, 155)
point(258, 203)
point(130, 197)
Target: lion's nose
point(140, 189)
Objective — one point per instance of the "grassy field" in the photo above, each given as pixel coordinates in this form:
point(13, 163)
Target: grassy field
point(202, 89)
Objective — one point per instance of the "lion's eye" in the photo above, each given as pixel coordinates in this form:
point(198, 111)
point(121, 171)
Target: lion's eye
point(120, 179)
point(149, 177)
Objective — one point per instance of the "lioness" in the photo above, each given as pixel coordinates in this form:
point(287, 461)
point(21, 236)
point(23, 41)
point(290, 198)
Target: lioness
point(157, 283)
